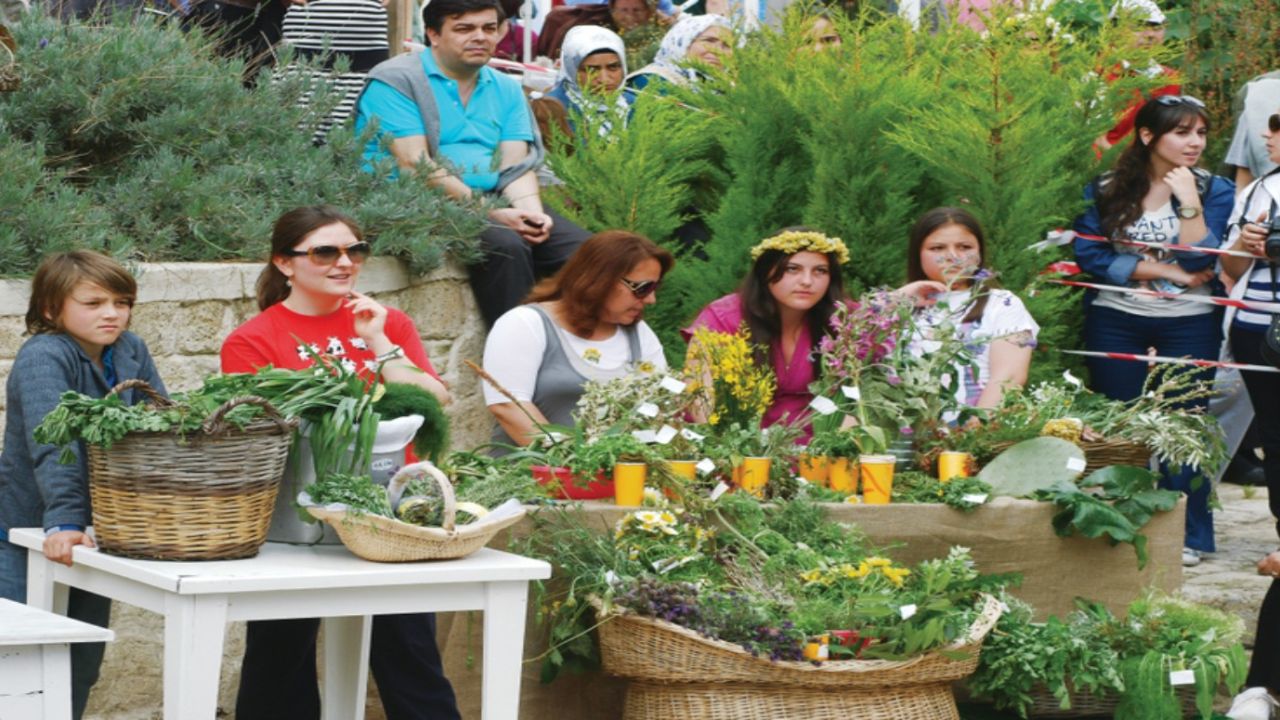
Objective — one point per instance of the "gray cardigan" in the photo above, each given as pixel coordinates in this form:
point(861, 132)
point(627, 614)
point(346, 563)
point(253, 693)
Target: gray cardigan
point(406, 74)
point(35, 489)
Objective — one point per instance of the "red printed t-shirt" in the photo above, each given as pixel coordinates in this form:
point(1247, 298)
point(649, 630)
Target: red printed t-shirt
point(279, 337)
point(792, 396)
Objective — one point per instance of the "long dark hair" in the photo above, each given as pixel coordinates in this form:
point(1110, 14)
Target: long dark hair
point(289, 231)
point(926, 226)
point(1119, 195)
point(593, 271)
point(760, 309)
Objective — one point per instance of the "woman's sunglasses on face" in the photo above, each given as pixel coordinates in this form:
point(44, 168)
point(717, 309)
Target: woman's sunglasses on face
point(642, 289)
point(1176, 100)
point(329, 254)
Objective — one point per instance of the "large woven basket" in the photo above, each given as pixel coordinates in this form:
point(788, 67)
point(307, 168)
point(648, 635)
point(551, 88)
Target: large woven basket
point(205, 496)
point(1102, 453)
point(678, 673)
point(1045, 705)
point(383, 539)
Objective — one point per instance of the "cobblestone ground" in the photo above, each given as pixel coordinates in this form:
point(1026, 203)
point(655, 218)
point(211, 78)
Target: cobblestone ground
point(1228, 579)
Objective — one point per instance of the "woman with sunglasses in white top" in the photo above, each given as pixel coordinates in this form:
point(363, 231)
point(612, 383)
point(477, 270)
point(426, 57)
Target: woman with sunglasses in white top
point(1155, 193)
point(310, 307)
point(584, 323)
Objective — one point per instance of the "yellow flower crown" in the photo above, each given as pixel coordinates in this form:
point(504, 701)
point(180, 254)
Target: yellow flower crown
point(793, 241)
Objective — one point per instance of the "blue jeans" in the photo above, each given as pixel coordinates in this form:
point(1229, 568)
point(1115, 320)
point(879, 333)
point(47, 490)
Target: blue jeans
point(86, 658)
point(1196, 336)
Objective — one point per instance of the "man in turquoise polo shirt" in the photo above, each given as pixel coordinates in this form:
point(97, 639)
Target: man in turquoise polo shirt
point(467, 129)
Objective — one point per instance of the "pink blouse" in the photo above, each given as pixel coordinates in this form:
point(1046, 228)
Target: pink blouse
point(792, 396)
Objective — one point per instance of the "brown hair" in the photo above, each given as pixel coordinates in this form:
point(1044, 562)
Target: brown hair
point(935, 219)
point(60, 273)
point(583, 285)
point(289, 231)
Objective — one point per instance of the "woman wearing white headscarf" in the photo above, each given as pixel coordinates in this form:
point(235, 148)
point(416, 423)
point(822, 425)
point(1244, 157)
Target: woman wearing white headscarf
point(593, 62)
point(702, 39)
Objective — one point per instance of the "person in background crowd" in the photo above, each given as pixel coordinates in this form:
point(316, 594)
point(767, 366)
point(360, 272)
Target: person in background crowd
point(78, 318)
point(694, 40)
point(1255, 209)
point(592, 66)
point(947, 250)
point(1255, 103)
point(584, 323)
point(620, 16)
point(511, 46)
point(246, 29)
point(786, 301)
point(1149, 34)
point(308, 299)
point(822, 32)
point(1156, 193)
point(444, 107)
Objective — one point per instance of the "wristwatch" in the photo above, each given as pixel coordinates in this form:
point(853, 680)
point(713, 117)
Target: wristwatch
point(1187, 212)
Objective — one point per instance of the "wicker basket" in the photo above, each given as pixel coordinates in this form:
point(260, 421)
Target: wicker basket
point(680, 673)
point(383, 539)
point(10, 80)
point(206, 496)
point(1102, 453)
point(1045, 705)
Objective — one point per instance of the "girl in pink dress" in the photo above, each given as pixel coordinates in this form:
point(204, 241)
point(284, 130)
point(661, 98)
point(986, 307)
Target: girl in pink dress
point(785, 302)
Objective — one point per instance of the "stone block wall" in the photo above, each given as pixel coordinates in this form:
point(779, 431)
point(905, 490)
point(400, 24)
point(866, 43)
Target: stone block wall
point(184, 311)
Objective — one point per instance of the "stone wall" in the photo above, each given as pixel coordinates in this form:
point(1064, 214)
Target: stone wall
point(184, 311)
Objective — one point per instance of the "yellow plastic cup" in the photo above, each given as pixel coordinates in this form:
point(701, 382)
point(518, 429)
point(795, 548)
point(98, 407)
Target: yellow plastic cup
point(755, 475)
point(685, 469)
point(877, 478)
point(818, 648)
point(840, 475)
point(814, 468)
point(628, 483)
point(952, 464)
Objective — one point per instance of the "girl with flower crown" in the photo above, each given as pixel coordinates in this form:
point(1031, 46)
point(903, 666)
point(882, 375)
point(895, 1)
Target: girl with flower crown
point(785, 302)
point(946, 257)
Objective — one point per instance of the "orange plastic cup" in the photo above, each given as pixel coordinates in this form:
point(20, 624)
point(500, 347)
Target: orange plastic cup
point(952, 464)
point(840, 475)
point(628, 483)
point(686, 469)
point(755, 475)
point(814, 468)
point(877, 478)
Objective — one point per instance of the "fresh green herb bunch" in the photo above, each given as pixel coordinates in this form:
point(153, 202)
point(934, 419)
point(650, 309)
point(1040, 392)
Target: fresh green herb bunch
point(358, 492)
point(918, 487)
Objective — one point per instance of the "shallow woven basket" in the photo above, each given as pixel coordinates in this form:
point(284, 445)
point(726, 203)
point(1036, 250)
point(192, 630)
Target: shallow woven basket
point(681, 674)
point(1102, 453)
point(384, 539)
point(205, 496)
point(1045, 705)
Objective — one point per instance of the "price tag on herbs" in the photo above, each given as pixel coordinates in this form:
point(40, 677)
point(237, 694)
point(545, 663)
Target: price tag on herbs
point(672, 385)
point(823, 405)
point(907, 611)
point(719, 490)
point(1182, 677)
point(648, 410)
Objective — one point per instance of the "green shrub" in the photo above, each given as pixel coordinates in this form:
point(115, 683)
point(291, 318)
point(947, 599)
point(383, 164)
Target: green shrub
point(133, 137)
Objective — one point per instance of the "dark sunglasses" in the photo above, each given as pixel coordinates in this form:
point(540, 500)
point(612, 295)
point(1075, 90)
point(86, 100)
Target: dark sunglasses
point(641, 289)
point(1273, 123)
point(1176, 100)
point(329, 254)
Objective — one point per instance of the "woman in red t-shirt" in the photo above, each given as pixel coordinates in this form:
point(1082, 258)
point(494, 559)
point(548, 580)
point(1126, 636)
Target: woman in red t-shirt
point(310, 306)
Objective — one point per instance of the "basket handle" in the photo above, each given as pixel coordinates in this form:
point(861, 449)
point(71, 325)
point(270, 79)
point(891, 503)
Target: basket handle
point(154, 397)
point(428, 469)
point(216, 422)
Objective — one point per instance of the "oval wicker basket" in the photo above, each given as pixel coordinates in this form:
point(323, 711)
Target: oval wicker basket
point(1102, 453)
point(384, 539)
point(679, 673)
point(1045, 705)
point(205, 496)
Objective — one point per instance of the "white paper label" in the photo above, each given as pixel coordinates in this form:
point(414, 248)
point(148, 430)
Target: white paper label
point(648, 410)
point(690, 435)
point(801, 480)
point(705, 466)
point(1076, 464)
point(823, 405)
point(672, 385)
point(610, 577)
point(851, 392)
point(1182, 677)
point(665, 566)
point(644, 436)
point(906, 611)
point(719, 490)
point(666, 434)
point(975, 499)
point(824, 652)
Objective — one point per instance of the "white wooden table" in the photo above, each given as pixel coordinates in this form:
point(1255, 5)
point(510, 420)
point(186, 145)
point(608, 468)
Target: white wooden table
point(35, 660)
point(198, 599)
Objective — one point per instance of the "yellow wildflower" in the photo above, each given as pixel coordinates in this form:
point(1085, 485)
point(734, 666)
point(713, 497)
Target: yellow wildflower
point(878, 562)
point(792, 242)
point(896, 575)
